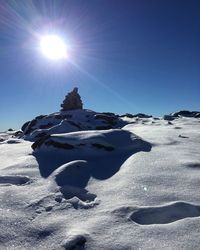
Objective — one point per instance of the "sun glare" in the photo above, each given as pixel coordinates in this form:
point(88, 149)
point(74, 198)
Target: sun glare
point(53, 47)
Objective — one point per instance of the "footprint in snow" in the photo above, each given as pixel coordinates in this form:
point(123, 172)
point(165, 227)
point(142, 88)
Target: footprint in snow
point(177, 127)
point(165, 214)
point(193, 165)
point(75, 241)
point(159, 214)
point(183, 136)
point(13, 141)
point(14, 179)
point(79, 197)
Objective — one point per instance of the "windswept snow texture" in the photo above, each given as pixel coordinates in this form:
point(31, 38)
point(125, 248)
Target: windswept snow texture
point(86, 180)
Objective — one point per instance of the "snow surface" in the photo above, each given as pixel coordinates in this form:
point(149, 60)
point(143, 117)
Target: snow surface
point(134, 187)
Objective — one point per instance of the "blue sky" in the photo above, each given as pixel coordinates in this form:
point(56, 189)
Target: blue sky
point(126, 56)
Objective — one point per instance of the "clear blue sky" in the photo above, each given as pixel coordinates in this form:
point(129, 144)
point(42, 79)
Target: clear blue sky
point(126, 56)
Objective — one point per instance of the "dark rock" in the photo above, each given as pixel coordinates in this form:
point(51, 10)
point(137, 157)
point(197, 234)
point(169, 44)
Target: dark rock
point(100, 146)
point(108, 113)
point(168, 118)
point(141, 115)
point(108, 119)
point(40, 117)
point(30, 126)
point(103, 127)
point(25, 126)
point(40, 135)
point(39, 142)
point(76, 242)
point(10, 130)
point(127, 115)
point(18, 133)
point(48, 209)
point(75, 125)
point(62, 117)
point(68, 116)
point(48, 125)
point(186, 113)
point(58, 144)
point(58, 117)
point(46, 140)
point(58, 199)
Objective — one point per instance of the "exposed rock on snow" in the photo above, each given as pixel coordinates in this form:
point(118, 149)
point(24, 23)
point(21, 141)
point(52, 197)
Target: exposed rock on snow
point(186, 113)
point(139, 115)
point(10, 130)
point(10, 140)
point(92, 142)
point(13, 141)
point(110, 119)
point(168, 117)
point(69, 121)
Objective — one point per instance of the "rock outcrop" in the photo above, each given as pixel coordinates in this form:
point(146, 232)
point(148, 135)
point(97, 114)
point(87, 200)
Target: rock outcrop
point(186, 113)
point(69, 121)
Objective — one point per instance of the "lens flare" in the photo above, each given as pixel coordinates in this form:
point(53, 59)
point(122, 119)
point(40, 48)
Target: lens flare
point(53, 47)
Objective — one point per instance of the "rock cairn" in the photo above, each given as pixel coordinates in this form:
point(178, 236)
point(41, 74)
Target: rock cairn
point(72, 101)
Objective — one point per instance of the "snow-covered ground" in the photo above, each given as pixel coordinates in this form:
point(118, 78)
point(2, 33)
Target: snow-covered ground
point(134, 186)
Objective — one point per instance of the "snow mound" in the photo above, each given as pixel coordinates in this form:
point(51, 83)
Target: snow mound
point(69, 121)
point(104, 151)
point(70, 174)
point(91, 142)
point(165, 214)
point(71, 178)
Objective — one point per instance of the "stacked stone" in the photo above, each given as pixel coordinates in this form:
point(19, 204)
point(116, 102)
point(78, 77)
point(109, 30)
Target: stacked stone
point(72, 101)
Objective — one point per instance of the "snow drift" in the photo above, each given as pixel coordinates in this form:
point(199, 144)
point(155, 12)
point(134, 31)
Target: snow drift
point(86, 180)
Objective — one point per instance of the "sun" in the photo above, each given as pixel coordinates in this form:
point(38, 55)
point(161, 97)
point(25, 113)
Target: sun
point(53, 47)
